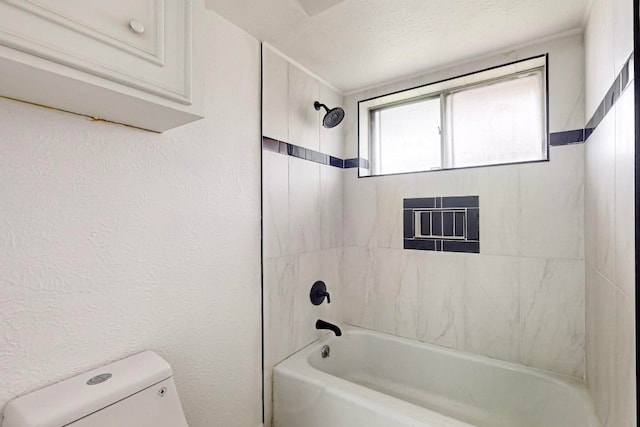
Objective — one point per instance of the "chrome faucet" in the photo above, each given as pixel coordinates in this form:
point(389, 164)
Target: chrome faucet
point(321, 324)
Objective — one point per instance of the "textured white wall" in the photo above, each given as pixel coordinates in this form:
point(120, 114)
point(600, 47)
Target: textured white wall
point(115, 240)
point(522, 298)
point(609, 219)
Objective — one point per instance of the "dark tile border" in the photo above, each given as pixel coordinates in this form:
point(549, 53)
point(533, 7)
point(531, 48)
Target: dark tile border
point(281, 147)
point(611, 97)
point(356, 162)
point(567, 137)
point(336, 162)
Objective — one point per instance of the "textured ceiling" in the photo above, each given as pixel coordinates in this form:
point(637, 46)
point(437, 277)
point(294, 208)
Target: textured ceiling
point(359, 43)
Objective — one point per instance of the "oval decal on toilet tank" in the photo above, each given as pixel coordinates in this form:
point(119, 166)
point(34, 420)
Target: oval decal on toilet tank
point(99, 379)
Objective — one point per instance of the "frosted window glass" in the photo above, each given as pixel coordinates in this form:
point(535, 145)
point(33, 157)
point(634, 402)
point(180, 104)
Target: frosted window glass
point(408, 137)
point(497, 123)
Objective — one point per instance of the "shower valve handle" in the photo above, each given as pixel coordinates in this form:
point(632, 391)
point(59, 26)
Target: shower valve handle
point(319, 293)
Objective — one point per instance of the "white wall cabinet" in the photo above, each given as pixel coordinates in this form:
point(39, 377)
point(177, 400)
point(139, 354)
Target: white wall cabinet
point(132, 62)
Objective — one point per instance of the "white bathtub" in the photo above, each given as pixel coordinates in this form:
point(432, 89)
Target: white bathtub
point(372, 379)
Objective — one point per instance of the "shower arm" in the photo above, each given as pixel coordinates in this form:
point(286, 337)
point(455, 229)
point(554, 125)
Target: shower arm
point(317, 105)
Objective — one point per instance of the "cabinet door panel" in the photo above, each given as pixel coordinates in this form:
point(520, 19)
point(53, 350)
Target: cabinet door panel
point(108, 22)
point(97, 36)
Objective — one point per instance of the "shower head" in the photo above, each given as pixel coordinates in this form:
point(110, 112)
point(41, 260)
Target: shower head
point(333, 117)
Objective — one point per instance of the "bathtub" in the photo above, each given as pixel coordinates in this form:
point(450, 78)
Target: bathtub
point(372, 379)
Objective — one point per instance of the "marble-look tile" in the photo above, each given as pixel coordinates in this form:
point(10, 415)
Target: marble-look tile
point(331, 207)
point(311, 267)
point(566, 83)
point(331, 140)
point(304, 120)
point(373, 206)
point(601, 341)
point(388, 231)
point(350, 126)
point(590, 203)
point(289, 315)
point(491, 314)
point(332, 268)
point(625, 405)
point(279, 279)
point(275, 81)
point(439, 299)
point(499, 210)
point(600, 182)
point(356, 291)
point(304, 206)
point(393, 294)
point(625, 194)
point(360, 209)
point(552, 224)
point(275, 204)
point(268, 397)
point(622, 32)
point(552, 315)
point(599, 54)
point(590, 324)
point(461, 182)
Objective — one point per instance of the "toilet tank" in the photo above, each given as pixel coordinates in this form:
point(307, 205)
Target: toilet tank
point(134, 392)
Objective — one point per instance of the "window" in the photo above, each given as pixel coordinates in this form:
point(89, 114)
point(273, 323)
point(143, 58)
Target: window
point(492, 117)
point(411, 127)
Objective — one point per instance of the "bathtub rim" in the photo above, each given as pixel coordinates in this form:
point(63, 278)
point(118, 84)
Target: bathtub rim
point(299, 367)
point(327, 338)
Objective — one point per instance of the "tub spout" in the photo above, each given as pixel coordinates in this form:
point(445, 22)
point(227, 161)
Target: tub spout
point(321, 324)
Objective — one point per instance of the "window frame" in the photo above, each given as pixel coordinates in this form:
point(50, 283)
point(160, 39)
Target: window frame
point(443, 88)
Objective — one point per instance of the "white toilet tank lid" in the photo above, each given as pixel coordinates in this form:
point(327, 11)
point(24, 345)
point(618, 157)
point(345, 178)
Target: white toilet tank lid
point(69, 400)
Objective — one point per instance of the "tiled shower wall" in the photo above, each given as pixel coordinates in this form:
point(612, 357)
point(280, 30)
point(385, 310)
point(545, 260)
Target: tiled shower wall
point(522, 298)
point(302, 213)
point(609, 217)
